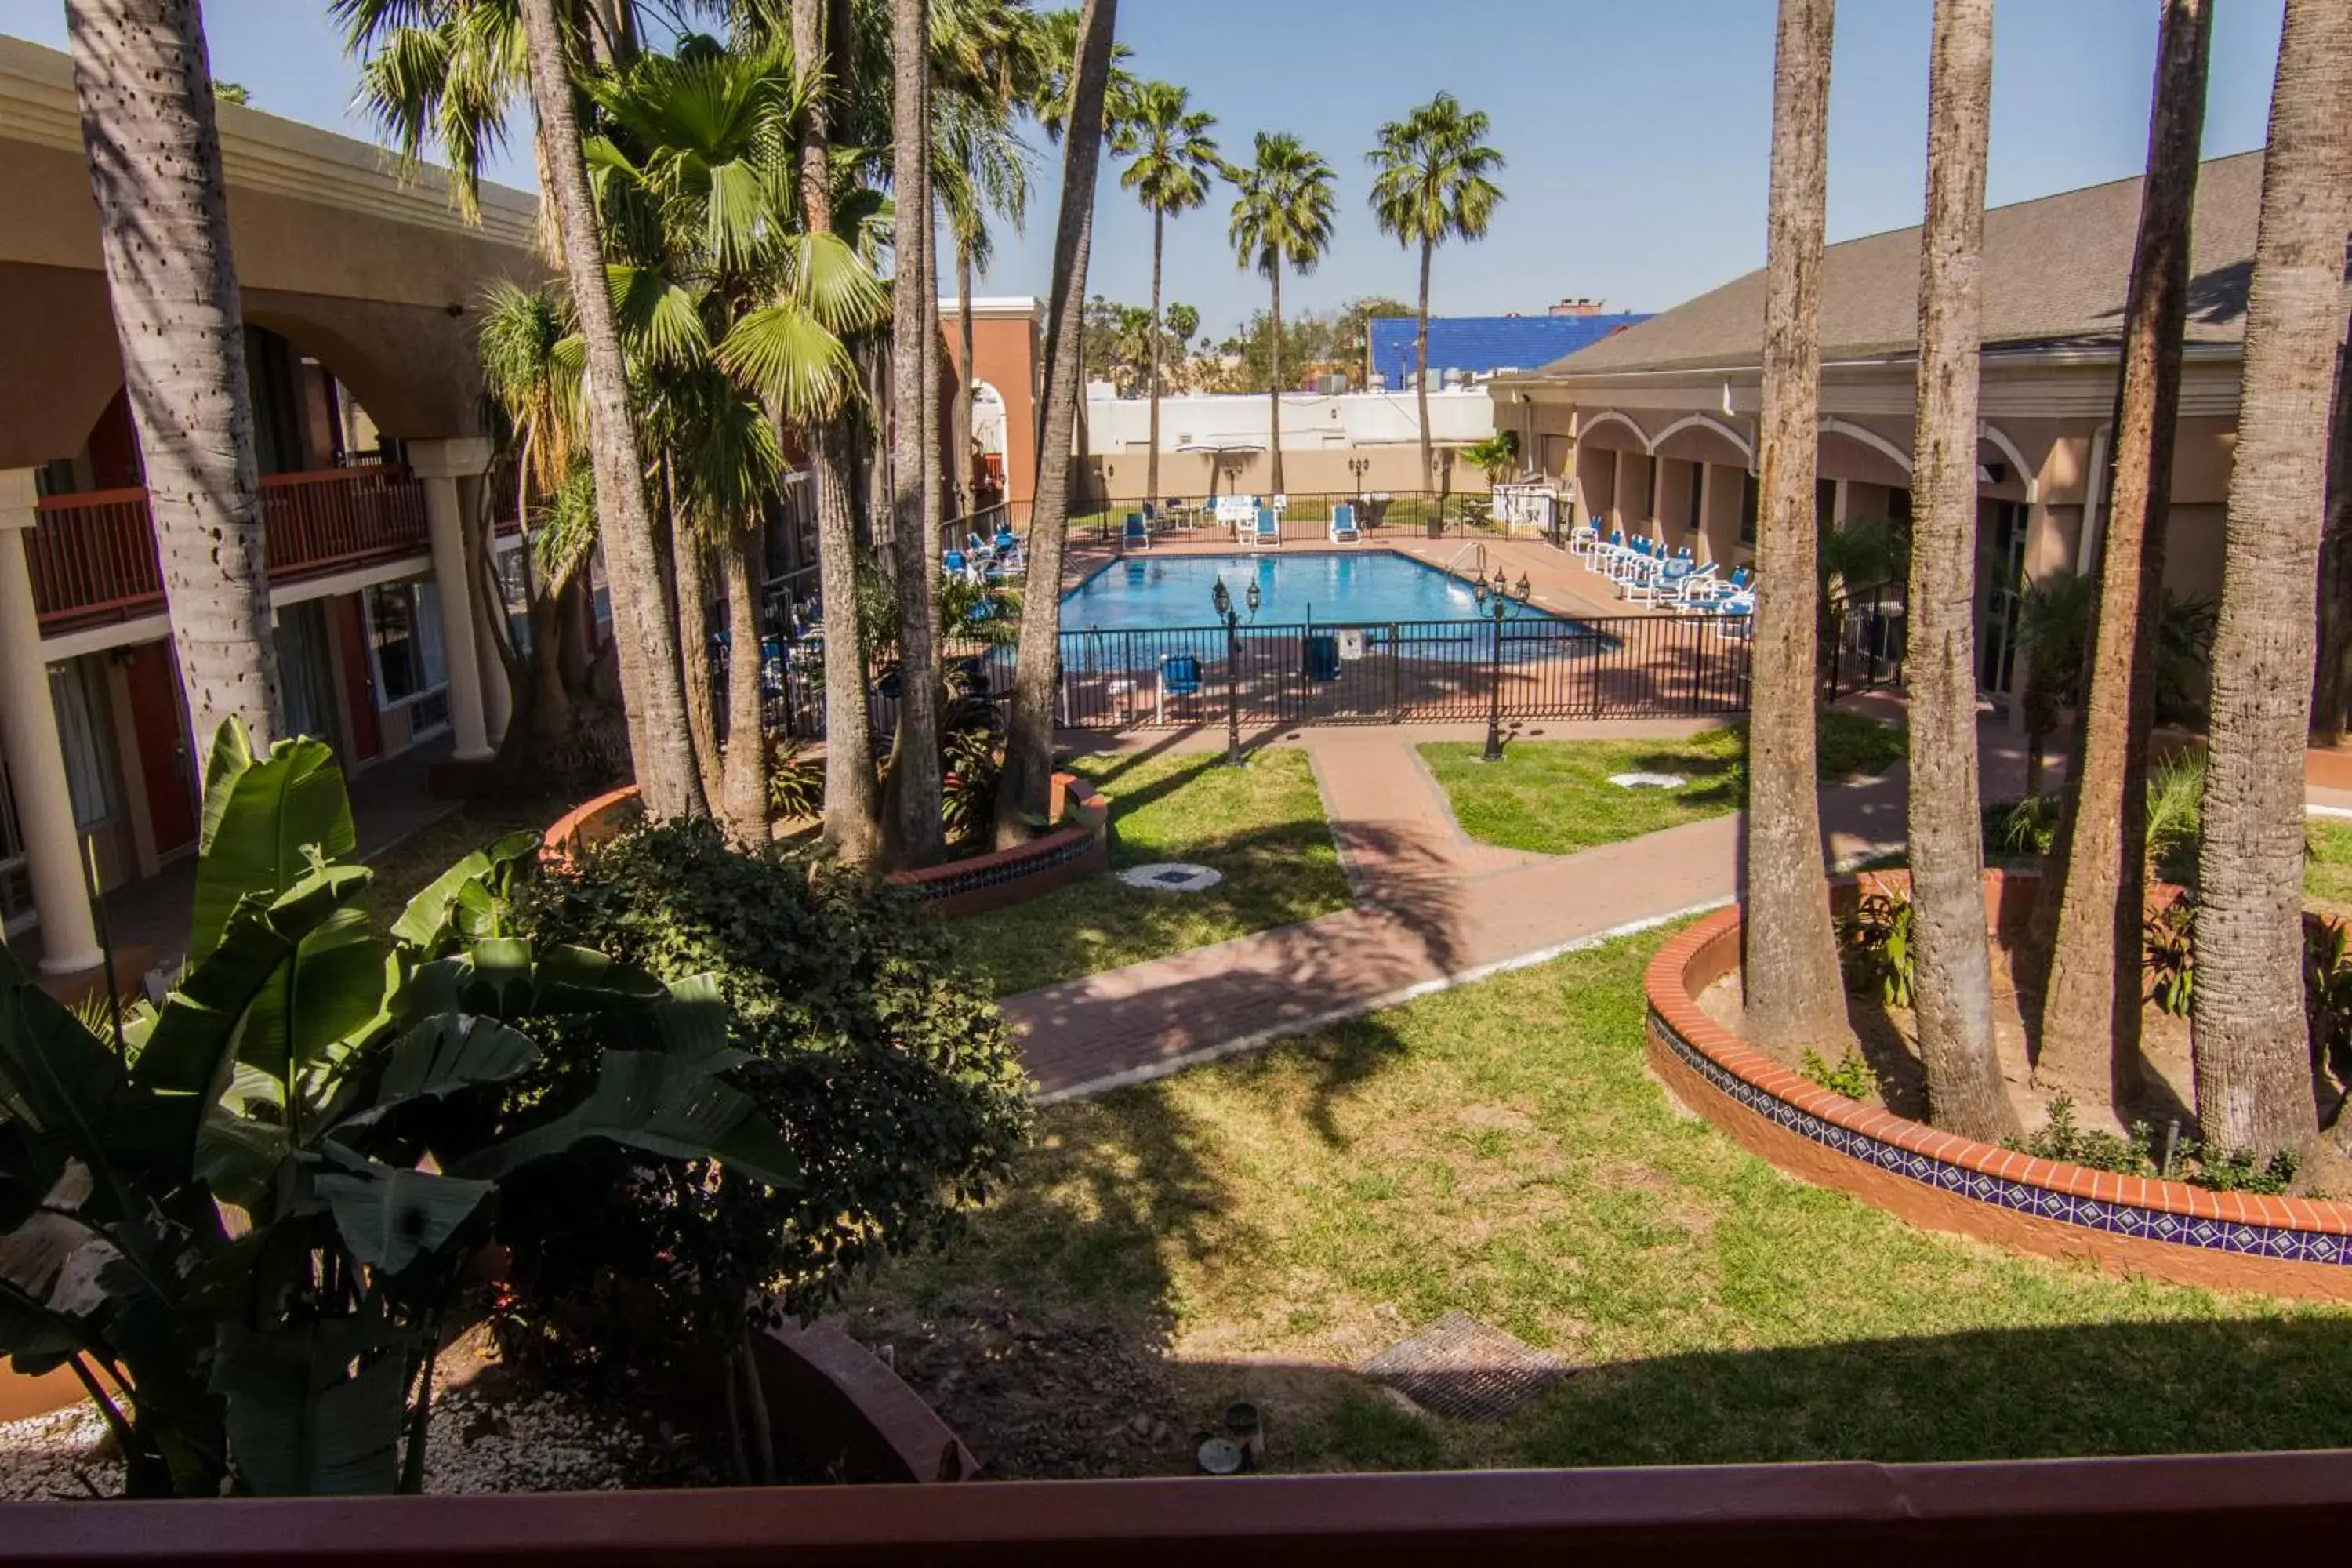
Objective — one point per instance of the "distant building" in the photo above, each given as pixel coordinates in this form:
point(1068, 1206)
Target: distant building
point(1481, 345)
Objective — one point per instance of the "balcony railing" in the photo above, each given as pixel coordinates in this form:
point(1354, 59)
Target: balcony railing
point(93, 555)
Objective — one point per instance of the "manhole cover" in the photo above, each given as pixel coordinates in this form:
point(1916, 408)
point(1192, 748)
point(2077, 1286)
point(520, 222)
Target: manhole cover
point(1461, 1367)
point(1648, 781)
point(1171, 878)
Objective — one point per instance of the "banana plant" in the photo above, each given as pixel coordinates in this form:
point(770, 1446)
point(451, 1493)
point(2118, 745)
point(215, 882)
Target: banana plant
point(257, 1211)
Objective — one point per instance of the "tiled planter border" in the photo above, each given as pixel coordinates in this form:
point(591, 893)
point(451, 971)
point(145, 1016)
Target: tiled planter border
point(2165, 1229)
point(1079, 848)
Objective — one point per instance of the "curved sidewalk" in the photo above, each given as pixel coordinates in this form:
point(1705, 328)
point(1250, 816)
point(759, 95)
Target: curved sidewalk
point(1433, 909)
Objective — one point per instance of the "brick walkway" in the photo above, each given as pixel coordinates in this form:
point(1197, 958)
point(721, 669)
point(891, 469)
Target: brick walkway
point(1433, 909)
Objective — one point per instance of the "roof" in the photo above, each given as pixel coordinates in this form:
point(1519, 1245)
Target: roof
point(1483, 344)
point(265, 152)
point(2056, 271)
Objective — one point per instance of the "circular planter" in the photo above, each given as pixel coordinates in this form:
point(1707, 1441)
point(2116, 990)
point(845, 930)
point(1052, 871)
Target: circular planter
point(1078, 848)
point(2165, 1230)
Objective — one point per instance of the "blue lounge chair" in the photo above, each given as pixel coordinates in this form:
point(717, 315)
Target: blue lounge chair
point(1343, 525)
point(954, 562)
point(1269, 527)
point(1180, 676)
point(1139, 533)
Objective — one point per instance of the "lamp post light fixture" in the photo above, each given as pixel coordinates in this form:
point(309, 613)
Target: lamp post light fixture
point(1494, 600)
point(1222, 601)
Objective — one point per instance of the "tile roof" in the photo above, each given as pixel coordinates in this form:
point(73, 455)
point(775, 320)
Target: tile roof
point(1482, 344)
point(2056, 271)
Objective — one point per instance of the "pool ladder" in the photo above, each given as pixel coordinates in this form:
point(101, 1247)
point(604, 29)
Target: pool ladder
point(1477, 552)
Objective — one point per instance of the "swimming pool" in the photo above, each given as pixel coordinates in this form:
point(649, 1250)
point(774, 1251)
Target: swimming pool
point(1143, 593)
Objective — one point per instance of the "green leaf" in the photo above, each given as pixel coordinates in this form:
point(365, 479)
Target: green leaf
point(664, 1103)
point(435, 915)
point(389, 1218)
point(445, 1053)
point(329, 990)
point(300, 1423)
point(265, 822)
point(785, 354)
point(58, 1081)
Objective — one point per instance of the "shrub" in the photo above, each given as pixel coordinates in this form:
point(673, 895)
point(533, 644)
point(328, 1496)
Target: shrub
point(2169, 948)
point(1853, 1077)
point(2139, 1154)
point(890, 1074)
point(796, 780)
point(1874, 945)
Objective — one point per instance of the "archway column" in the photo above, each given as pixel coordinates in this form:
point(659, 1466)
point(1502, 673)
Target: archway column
point(37, 758)
point(440, 465)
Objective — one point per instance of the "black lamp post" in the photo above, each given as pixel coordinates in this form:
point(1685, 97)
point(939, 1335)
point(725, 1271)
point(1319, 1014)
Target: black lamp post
point(1357, 467)
point(1494, 600)
point(1222, 603)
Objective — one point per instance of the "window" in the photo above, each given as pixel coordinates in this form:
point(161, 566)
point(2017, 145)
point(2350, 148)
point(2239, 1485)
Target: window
point(1694, 506)
point(78, 688)
point(514, 595)
point(1649, 490)
point(404, 628)
point(1824, 502)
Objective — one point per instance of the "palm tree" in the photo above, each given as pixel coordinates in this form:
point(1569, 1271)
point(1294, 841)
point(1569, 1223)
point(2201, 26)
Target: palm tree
point(1282, 218)
point(852, 801)
point(734, 314)
point(1025, 786)
point(914, 784)
point(1433, 185)
point(1794, 996)
point(1174, 160)
point(1954, 971)
point(647, 640)
point(2097, 890)
point(2248, 1030)
point(446, 73)
point(144, 82)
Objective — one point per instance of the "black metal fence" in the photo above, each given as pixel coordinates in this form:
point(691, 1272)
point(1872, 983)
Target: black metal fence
point(1390, 672)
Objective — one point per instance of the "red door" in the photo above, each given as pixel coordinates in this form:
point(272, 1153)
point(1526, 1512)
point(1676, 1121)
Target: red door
point(159, 712)
point(359, 679)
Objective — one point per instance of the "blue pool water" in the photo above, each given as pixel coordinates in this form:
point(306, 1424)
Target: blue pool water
point(1143, 593)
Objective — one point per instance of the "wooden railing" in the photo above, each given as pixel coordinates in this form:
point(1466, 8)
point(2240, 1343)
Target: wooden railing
point(93, 555)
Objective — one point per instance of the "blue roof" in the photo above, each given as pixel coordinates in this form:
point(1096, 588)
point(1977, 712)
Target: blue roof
point(1482, 344)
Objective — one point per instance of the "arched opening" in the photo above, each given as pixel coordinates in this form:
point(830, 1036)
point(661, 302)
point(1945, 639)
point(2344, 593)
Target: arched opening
point(991, 445)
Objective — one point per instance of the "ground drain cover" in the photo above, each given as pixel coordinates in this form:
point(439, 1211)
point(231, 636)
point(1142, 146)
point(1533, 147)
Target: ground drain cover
point(1648, 781)
point(1461, 1367)
point(1171, 878)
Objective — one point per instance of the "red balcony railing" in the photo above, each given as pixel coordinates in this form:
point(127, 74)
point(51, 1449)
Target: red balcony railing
point(93, 555)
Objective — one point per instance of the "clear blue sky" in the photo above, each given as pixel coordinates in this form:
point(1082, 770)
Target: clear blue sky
point(1635, 129)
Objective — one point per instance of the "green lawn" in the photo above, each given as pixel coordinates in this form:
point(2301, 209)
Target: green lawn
point(2327, 863)
point(1255, 1227)
point(1262, 825)
point(1554, 797)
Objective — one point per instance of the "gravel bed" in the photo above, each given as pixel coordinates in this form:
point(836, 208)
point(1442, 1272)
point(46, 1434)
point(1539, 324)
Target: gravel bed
point(492, 1435)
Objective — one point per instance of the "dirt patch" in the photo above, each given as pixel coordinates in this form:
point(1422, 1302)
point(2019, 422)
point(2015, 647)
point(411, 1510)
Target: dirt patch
point(1888, 1038)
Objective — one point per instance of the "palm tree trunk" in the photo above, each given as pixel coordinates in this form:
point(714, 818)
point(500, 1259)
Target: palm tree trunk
point(1151, 459)
point(148, 128)
point(645, 640)
point(1421, 381)
point(1273, 389)
point(1953, 984)
point(2249, 1034)
point(1024, 789)
point(2331, 691)
point(852, 827)
point(2098, 866)
point(743, 801)
point(1794, 994)
point(692, 562)
point(970, 390)
point(916, 756)
point(935, 486)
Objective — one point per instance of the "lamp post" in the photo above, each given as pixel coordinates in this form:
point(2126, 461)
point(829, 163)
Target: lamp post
point(1222, 603)
point(1494, 600)
point(1358, 467)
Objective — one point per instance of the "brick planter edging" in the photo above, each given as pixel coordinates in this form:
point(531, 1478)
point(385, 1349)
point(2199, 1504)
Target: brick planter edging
point(2168, 1230)
point(1076, 849)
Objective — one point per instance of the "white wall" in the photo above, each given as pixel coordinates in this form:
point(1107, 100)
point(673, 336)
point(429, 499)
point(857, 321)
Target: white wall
point(1121, 425)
